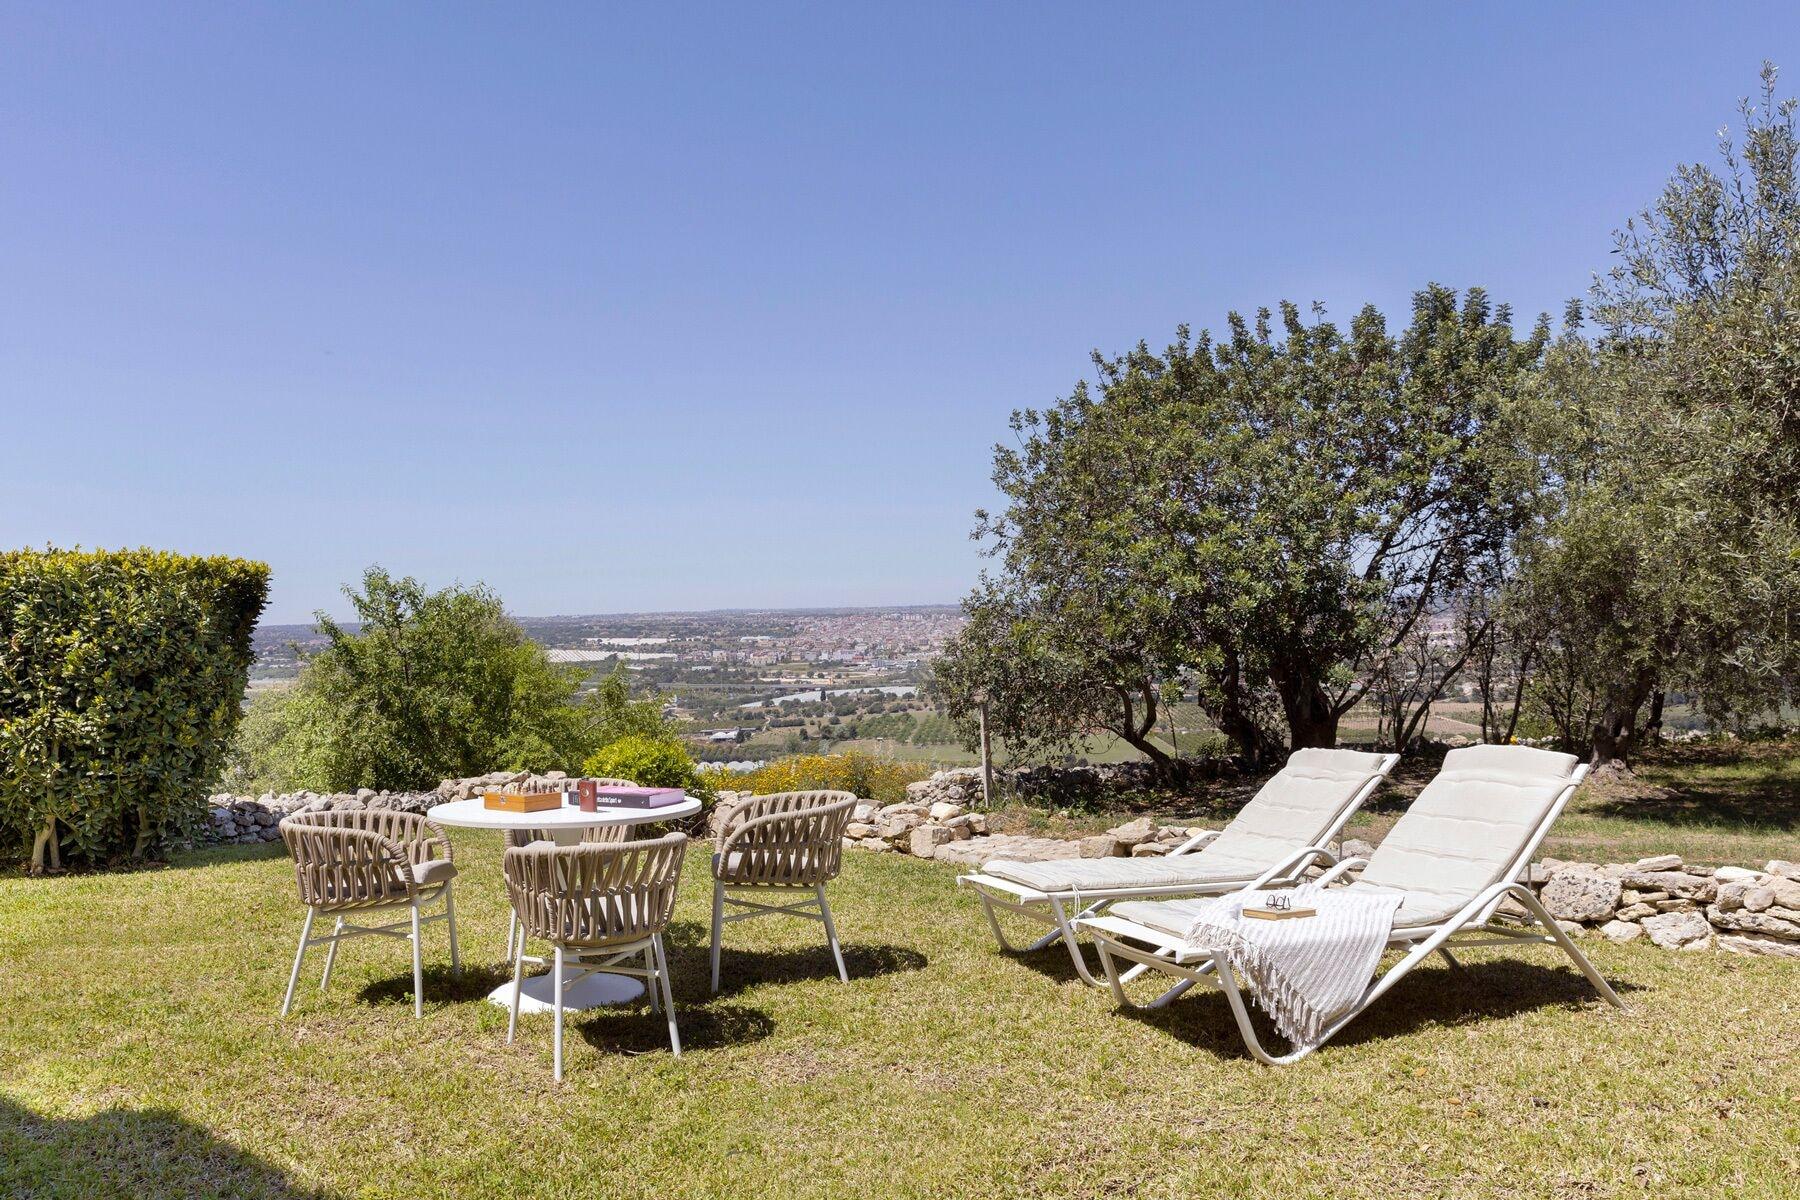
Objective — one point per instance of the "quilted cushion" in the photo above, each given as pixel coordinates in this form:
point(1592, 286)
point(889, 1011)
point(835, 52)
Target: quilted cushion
point(1467, 828)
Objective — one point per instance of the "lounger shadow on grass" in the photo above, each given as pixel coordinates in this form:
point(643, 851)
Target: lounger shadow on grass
point(1488, 989)
point(130, 1154)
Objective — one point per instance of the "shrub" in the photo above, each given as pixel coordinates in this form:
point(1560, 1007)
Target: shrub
point(651, 762)
point(430, 685)
point(871, 778)
point(122, 679)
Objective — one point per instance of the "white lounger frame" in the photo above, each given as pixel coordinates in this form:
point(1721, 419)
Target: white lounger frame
point(1052, 908)
point(1159, 950)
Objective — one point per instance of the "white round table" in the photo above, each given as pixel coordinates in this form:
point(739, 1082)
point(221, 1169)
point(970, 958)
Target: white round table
point(564, 826)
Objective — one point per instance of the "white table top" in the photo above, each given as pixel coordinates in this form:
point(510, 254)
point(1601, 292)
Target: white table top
point(473, 814)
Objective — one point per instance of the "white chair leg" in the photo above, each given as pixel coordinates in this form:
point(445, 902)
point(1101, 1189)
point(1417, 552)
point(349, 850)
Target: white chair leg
point(418, 969)
point(718, 928)
point(512, 931)
point(662, 978)
point(299, 957)
point(331, 954)
point(557, 987)
point(516, 948)
point(650, 969)
point(831, 933)
point(450, 919)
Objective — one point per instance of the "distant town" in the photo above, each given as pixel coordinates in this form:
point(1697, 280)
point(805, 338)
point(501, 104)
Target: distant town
point(750, 684)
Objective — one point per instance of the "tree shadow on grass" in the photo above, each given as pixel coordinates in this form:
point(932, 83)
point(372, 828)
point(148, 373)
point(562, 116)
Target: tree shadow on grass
point(1752, 799)
point(690, 944)
point(131, 1154)
point(1488, 990)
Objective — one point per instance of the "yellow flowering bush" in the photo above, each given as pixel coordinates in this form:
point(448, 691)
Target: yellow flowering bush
point(879, 779)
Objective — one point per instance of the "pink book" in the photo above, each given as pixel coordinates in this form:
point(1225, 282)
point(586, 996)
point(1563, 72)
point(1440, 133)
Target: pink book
point(638, 797)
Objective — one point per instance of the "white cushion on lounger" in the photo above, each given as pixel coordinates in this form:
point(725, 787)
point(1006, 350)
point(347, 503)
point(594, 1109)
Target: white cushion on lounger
point(1466, 828)
point(1293, 810)
point(1170, 916)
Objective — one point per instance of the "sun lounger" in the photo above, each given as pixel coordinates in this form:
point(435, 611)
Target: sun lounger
point(1282, 831)
point(1455, 857)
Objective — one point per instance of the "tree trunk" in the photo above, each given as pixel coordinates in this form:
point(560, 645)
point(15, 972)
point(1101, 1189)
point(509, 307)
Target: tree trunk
point(45, 844)
point(1135, 731)
point(1234, 713)
point(1653, 727)
point(1311, 718)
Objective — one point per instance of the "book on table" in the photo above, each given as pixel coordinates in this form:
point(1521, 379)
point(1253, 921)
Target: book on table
point(638, 797)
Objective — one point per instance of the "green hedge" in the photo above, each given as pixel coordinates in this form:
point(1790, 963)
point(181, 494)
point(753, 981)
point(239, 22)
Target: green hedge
point(121, 681)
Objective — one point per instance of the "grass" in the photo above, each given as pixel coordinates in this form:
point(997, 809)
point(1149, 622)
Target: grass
point(141, 1056)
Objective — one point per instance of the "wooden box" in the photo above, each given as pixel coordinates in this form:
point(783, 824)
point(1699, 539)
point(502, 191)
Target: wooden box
point(522, 802)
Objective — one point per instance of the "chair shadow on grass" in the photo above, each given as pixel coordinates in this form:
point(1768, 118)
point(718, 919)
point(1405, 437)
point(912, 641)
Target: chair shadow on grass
point(442, 986)
point(626, 1029)
point(690, 944)
point(1432, 995)
point(144, 1154)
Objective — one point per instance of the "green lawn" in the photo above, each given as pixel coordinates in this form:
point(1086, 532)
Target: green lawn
point(141, 1056)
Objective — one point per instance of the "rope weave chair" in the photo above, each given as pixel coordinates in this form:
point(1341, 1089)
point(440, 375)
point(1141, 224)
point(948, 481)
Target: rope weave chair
point(602, 834)
point(369, 861)
point(599, 906)
point(777, 845)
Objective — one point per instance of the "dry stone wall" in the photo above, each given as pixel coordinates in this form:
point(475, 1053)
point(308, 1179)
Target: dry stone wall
point(1662, 900)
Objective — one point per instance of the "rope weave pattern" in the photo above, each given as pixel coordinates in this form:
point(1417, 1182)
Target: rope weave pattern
point(595, 894)
point(348, 859)
point(789, 839)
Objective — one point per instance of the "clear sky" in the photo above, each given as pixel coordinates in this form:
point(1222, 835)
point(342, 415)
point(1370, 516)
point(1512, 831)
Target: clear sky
point(638, 307)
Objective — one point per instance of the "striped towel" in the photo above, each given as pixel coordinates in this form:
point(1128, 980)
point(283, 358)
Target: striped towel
point(1307, 971)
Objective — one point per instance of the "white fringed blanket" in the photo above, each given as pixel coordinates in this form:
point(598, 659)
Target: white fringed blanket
point(1306, 971)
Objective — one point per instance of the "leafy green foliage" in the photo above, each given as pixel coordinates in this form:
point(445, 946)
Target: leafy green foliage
point(650, 761)
point(430, 685)
point(121, 681)
point(1674, 561)
point(1268, 517)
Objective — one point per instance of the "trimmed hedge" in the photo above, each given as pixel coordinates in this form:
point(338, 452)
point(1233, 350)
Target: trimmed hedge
point(121, 681)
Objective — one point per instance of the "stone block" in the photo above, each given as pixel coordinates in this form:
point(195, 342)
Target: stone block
point(1672, 931)
point(1573, 894)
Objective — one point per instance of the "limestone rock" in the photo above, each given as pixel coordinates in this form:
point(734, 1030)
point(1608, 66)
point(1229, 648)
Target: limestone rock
point(1672, 931)
point(1357, 848)
point(1578, 895)
point(1101, 845)
point(1134, 833)
point(859, 829)
point(1636, 912)
point(943, 810)
point(1767, 924)
point(1788, 870)
point(1676, 883)
point(1621, 931)
point(1149, 849)
point(1659, 862)
point(927, 838)
point(1750, 943)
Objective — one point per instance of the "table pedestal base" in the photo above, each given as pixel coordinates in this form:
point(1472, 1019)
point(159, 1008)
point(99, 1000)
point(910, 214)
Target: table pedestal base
point(536, 993)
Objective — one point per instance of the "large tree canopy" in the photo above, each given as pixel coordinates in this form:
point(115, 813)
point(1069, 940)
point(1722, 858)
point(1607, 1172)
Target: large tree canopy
point(1674, 562)
point(1271, 515)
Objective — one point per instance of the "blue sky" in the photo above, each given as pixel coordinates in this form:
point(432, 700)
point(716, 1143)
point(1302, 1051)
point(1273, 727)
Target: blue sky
point(654, 307)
